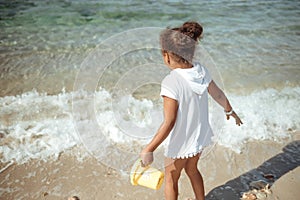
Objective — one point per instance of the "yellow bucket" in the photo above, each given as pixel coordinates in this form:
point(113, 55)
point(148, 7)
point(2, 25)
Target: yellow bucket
point(146, 176)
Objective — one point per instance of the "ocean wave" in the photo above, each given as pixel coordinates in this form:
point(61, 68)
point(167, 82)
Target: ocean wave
point(40, 126)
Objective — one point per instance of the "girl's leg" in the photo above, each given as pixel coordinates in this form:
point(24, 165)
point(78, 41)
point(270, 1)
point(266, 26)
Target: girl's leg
point(172, 174)
point(195, 177)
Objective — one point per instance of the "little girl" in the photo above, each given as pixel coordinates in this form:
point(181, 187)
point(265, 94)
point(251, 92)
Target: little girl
point(185, 102)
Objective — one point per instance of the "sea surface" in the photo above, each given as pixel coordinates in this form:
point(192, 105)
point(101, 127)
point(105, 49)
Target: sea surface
point(88, 73)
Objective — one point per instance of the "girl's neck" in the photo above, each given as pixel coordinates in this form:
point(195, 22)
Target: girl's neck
point(181, 65)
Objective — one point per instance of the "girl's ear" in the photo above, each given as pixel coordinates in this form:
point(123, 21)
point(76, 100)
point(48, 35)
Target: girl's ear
point(166, 58)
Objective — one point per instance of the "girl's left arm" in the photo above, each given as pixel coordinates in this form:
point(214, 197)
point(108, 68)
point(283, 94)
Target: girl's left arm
point(219, 96)
point(170, 114)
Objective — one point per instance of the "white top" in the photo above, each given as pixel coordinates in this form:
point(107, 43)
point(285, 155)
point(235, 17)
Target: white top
point(192, 131)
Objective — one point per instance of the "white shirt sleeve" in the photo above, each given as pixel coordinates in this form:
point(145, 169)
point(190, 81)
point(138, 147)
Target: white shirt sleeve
point(167, 90)
point(207, 76)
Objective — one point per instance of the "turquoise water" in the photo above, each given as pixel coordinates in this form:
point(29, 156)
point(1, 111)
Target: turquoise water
point(254, 47)
point(59, 24)
point(248, 40)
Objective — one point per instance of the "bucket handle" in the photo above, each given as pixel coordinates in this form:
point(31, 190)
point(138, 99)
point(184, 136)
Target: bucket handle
point(140, 174)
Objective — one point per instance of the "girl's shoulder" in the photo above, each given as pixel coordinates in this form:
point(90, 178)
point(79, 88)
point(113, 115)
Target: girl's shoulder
point(172, 77)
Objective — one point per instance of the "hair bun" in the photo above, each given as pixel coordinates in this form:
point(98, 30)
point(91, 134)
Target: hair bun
point(192, 29)
point(181, 41)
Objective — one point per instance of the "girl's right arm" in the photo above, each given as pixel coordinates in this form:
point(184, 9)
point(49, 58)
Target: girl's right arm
point(170, 114)
point(219, 96)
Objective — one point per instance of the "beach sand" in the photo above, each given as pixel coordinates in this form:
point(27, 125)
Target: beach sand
point(226, 175)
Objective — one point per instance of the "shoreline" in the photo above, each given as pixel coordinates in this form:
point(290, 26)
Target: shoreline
point(225, 173)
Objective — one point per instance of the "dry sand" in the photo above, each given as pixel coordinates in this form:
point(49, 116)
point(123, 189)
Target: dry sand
point(226, 174)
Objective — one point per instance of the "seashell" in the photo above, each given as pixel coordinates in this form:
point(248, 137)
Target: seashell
point(248, 196)
point(244, 196)
point(261, 195)
point(270, 177)
point(258, 184)
point(267, 189)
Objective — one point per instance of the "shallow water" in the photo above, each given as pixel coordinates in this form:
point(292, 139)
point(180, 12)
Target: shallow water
point(255, 45)
point(52, 88)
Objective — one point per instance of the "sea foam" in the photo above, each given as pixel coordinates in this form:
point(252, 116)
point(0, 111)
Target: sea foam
point(267, 115)
point(41, 126)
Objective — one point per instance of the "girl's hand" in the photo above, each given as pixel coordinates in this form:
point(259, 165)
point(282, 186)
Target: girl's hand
point(238, 121)
point(146, 158)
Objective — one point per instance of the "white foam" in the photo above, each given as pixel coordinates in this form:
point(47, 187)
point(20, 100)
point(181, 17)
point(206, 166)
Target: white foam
point(267, 114)
point(35, 126)
point(39, 126)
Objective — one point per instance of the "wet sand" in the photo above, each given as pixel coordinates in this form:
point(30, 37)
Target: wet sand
point(226, 175)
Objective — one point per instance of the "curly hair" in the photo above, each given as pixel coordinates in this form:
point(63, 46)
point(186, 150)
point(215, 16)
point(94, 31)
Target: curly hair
point(181, 41)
